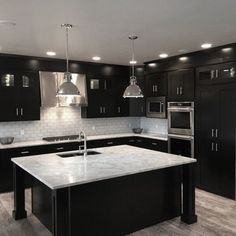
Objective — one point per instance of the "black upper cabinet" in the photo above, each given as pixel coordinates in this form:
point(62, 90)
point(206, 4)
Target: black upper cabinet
point(156, 85)
point(221, 73)
point(105, 98)
point(19, 96)
point(215, 138)
point(181, 85)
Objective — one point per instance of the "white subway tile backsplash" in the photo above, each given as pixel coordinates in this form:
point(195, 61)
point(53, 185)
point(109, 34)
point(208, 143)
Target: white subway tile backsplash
point(154, 125)
point(65, 121)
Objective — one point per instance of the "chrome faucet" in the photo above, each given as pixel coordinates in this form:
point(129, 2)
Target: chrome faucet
point(82, 137)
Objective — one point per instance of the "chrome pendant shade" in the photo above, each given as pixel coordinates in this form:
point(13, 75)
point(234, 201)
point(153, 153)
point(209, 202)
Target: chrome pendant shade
point(67, 88)
point(133, 90)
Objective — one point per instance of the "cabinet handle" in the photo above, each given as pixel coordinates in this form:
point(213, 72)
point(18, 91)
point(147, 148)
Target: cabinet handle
point(180, 91)
point(212, 147)
point(131, 140)
point(104, 109)
point(139, 141)
point(60, 148)
point(152, 88)
point(212, 133)
point(217, 73)
point(118, 109)
point(216, 147)
point(100, 109)
point(212, 74)
point(105, 85)
point(141, 108)
point(25, 152)
point(216, 133)
point(21, 112)
point(155, 144)
point(17, 112)
point(177, 91)
point(155, 88)
point(109, 143)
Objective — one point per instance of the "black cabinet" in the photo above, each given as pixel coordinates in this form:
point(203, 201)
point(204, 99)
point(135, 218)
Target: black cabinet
point(19, 96)
point(156, 85)
point(220, 73)
point(181, 85)
point(105, 98)
point(215, 138)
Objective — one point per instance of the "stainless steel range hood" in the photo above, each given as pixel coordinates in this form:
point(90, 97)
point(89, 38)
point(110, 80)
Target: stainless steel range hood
point(51, 81)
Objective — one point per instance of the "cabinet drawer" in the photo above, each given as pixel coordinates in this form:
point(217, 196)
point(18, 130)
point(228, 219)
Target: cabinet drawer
point(62, 147)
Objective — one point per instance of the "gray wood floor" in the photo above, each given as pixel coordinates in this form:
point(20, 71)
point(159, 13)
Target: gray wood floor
point(216, 216)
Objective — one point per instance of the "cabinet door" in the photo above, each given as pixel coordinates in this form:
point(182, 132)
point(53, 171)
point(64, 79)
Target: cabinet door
point(29, 96)
point(121, 108)
point(226, 142)
point(174, 83)
point(186, 89)
point(206, 74)
point(137, 107)
point(156, 85)
point(207, 122)
point(8, 96)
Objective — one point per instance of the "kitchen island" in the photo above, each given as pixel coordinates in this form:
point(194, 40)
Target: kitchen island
point(119, 191)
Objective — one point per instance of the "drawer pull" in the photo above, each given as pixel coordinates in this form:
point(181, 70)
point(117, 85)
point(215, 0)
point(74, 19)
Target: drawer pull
point(60, 148)
point(155, 144)
point(139, 141)
point(131, 140)
point(25, 152)
point(109, 143)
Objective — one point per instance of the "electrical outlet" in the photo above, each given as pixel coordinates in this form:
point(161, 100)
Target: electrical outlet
point(22, 132)
point(129, 125)
point(93, 127)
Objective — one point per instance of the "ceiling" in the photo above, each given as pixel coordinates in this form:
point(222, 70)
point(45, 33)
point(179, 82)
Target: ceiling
point(101, 27)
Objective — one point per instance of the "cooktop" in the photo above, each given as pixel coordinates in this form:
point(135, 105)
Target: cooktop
point(61, 138)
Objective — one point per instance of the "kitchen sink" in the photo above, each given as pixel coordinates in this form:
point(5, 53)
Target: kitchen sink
point(65, 155)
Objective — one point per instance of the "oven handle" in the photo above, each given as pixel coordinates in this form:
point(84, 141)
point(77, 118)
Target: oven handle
point(180, 109)
point(183, 137)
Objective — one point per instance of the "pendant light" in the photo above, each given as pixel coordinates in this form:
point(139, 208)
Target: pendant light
point(133, 90)
point(67, 88)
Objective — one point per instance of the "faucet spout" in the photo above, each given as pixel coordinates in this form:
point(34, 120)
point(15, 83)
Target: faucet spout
point(82, 137)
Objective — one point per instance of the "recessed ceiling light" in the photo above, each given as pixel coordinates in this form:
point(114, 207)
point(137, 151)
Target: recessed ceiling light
point(7, 22)
point(163, 55)
point(132, 62)
point(96, 58)
point(50, 53)
point(206, 45)
point(152, 64)
point(227, 49)
point(183, 58)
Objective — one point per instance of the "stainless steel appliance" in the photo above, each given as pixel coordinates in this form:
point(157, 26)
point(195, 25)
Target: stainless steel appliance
point(181, 145)
point(181, 128)
point(51, 81)
point(181, 118)
point(156, 107)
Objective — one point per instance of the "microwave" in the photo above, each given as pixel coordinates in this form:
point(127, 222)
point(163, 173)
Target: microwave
point(181, 118)
point(156, 107)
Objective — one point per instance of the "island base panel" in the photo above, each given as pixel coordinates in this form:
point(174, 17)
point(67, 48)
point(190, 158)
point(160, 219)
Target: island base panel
point(19, 211)
point(188, 215)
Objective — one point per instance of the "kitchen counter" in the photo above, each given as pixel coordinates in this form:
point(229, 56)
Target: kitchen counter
point(156, 136)
point(117, 192)
point(56, 172)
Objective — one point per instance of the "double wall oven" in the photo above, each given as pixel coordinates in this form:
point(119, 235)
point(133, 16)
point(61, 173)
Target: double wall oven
point(181, 128)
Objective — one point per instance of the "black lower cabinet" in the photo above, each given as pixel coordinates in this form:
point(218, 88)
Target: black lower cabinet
point(215, 139)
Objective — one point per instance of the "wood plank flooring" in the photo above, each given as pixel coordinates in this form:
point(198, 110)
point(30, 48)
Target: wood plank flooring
point(216, 217)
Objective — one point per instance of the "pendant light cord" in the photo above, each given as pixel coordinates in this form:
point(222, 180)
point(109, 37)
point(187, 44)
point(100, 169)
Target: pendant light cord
point(67, 51)
point(132, 56)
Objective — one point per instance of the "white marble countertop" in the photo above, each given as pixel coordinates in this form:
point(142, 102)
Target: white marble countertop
point(57, 172)
point(90, 137)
